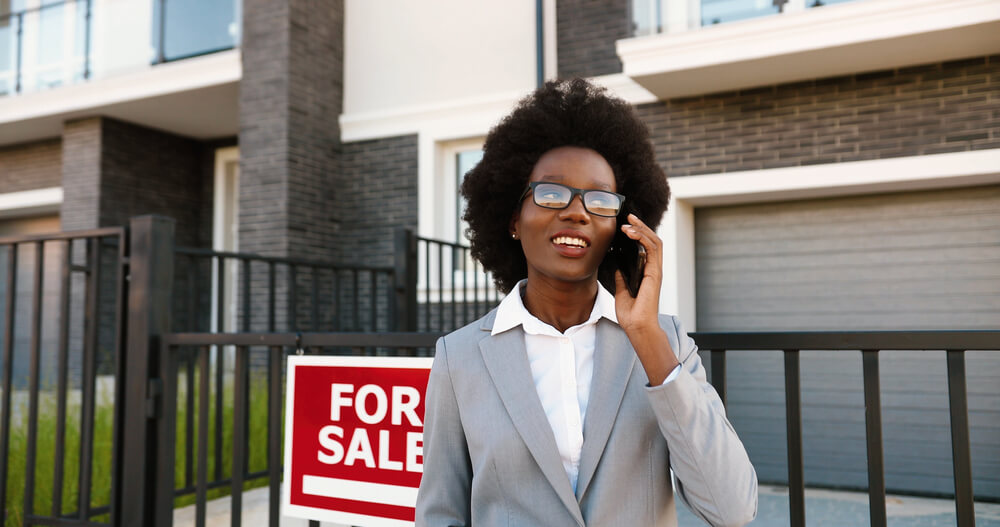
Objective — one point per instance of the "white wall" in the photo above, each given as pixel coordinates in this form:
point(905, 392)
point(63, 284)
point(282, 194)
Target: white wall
point(405, 53)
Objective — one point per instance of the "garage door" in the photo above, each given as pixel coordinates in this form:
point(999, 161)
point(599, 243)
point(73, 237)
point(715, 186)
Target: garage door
point(917, 260)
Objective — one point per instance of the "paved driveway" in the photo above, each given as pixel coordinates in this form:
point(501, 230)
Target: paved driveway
point(825, 508)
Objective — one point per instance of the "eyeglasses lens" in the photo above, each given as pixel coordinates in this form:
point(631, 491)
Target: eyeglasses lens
point(595, 201)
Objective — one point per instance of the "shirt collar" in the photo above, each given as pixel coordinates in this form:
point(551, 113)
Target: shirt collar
point(512, 313)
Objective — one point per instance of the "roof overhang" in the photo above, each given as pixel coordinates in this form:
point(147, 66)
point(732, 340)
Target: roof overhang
point(197, 98)
point(821, 42)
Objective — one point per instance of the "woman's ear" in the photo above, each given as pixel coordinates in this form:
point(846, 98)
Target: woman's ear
point(512, 227)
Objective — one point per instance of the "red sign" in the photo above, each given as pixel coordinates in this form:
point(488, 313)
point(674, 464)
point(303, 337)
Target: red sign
point(354, 438)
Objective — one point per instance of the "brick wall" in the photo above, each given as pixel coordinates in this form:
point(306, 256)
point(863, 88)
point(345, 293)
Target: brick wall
point(31, 166)
point(586, 31)
point(113, 170)
point(929, 109)
point(379, 180)
point(290, 100)
point(147, 171)
point(81, 174)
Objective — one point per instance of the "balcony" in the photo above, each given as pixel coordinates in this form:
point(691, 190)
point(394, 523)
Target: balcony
point(48, 44)
point(689, 47)
point(173, 65)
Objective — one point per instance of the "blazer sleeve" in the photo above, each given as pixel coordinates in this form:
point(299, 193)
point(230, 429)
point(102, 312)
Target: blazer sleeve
point(444, 497)
point(712, 472)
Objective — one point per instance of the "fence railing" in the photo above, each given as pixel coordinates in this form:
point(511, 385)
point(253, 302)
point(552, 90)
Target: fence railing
point(57, 322)
point(452, 289)
point(869, 344)
point(234, 470)
point(173, 433)
point(222, 291)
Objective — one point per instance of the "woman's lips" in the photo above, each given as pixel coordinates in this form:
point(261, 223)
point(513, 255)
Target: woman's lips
point(570, 243)
point(570, 251)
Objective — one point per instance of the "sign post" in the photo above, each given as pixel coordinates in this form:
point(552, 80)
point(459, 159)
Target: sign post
point(354, 438)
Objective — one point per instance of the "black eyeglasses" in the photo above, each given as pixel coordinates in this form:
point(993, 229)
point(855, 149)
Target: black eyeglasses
point(559, 196)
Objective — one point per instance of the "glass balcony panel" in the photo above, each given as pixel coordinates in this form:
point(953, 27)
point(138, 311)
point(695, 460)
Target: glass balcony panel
point(821, 3)
point(8, 54)
point(721, 11)
point(81, 69)
point(50, 54)
point(121, 37)
point(194, 27)
point(51, 46)
point(645, 17)
point(50, 43)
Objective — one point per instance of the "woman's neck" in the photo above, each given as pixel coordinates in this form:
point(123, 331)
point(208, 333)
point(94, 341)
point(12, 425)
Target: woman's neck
point(561, 305)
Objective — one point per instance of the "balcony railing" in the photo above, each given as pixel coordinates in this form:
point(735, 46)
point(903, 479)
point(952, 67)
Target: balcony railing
point(49, 44)
point(666, 16)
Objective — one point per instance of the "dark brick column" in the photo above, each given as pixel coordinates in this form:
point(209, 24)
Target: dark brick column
point(586, 31)
point(81, 174)
point(113, 170)
point(290, 99)
point(380, 176)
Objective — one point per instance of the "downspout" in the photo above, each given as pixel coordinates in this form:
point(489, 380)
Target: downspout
point(539, 44)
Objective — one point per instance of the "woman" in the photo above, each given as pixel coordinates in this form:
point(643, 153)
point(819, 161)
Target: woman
point(566, 405)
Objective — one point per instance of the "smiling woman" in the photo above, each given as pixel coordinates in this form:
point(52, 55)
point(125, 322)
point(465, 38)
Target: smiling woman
point(564, 239)
point(537, 414)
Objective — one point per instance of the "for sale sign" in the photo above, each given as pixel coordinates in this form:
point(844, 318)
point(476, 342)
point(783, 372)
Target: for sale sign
point(354, 438)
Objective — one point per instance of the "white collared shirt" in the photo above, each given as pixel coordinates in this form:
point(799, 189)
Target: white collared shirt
point(562, 367)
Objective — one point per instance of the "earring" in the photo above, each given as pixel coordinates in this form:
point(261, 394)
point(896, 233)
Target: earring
point(513, 235)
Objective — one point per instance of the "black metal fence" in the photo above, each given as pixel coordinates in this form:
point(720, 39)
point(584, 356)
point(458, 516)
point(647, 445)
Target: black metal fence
point(217, 291)
point(63, 310)
point(869, 344)
point(452, 289)
point(232, 468)
point(181, 426)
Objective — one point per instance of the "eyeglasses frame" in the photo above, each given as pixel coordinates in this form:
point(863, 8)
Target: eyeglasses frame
point(573, 193)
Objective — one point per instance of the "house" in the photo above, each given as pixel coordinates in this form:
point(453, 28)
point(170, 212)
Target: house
point(835, 165)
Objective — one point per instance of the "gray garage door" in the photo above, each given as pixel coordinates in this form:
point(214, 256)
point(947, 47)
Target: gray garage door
point(917, 260)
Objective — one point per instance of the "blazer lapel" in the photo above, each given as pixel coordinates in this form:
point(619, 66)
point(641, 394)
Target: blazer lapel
point(507, 362)
point(613, 363)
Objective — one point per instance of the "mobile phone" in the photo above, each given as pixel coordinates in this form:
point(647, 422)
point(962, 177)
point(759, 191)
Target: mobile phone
point(631, 261)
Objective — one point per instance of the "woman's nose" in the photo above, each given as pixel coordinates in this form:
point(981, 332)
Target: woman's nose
point(575, 210)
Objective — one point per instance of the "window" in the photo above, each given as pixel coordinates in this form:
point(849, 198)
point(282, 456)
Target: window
point(446, 274)
point(646, 17)
point(465, 160)
point(455, 159)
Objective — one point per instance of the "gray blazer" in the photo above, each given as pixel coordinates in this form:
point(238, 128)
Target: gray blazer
point(490, 456)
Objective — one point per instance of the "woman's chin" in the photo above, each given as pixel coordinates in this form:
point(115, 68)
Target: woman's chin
point(569, 278)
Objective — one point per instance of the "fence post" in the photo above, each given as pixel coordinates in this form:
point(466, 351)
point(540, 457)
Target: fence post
point(405, 277)
point(151, 274)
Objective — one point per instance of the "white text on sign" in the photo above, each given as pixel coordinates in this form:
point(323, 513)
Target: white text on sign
point(404, 401)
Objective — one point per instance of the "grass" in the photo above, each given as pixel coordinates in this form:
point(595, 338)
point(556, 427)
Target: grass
point(44, 473)
point(101, 459)
point(257, 435)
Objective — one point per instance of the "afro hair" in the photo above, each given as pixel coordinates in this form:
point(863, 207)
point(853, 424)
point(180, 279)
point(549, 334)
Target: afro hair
point(560, 113)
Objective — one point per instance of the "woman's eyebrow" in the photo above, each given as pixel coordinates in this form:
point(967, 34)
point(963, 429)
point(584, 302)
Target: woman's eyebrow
point(559, 178)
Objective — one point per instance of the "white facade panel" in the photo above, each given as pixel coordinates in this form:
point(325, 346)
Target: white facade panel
point(401, 53)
